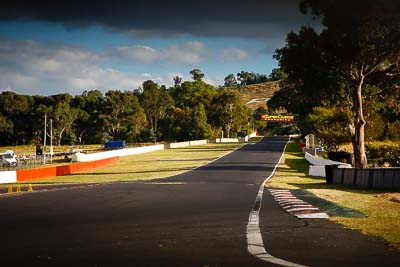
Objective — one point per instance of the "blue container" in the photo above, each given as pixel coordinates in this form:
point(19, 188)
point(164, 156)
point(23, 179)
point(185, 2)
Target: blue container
point(114, 144)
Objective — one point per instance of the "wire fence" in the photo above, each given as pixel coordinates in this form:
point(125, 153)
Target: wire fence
point(23, 163)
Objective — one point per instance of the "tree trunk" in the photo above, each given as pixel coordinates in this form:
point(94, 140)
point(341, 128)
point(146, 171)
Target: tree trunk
point(358, 136)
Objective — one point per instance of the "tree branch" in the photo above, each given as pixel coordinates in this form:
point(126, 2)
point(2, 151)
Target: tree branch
point(353, 73)
point(392, 74)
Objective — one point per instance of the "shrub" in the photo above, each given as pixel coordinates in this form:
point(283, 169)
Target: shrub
point(378, 154)
point(341, 156)
point(394, 131)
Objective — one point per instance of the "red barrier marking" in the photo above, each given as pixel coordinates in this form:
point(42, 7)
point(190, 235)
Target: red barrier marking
point(40, 173)
point(25, 175)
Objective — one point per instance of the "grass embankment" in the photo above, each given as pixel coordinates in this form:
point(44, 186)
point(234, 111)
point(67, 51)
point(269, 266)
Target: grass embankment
point(157, 164)
point(371, 212)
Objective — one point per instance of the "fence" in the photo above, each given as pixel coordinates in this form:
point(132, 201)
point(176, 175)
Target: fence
point(371, 178)
point(24, 163)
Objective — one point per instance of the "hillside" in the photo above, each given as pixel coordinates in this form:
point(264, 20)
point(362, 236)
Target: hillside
point(256, 95)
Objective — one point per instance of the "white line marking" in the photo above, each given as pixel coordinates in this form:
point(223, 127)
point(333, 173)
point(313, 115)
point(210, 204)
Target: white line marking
point(278, 194)
point(283, 202)
point(282, 195)
point(320, 215)
point(285, 197)
point(255, 244)
point(288, 206)
point(277, 191)
point(299, 209)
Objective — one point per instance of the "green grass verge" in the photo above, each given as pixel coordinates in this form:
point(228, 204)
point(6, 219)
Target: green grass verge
point(371, 212)
point(157, 164)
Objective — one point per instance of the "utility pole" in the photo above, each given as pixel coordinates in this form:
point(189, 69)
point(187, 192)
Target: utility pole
point(44, 139)
point(51, 140)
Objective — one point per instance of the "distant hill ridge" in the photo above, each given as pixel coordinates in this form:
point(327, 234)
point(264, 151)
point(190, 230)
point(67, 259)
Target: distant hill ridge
point(255, 95)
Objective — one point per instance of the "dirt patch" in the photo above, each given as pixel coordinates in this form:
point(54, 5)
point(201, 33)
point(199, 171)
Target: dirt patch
point(394, 197)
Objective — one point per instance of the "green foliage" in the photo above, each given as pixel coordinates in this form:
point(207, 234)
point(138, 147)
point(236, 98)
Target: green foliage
point(189, 110)
point(177, 81)
point(197, 75)
point(155, 100)
point(247, 78)
point(394, 131)
point(286, 129)
point(277, 74)
point(124, 117)
point(375, 128)
point(230, 81)
point(330, 125)
point(339, 66)
point(16, 113)
point(379, 154)
point(341, 156)
point(89, 127)
point(229, 113)
point(63, 117)
point(310, 79)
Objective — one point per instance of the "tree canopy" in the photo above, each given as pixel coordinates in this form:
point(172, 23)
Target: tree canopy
point(186, 111)
point(356, 52)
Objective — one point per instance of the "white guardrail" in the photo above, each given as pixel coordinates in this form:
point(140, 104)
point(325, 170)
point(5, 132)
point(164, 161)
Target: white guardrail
point(317, 167)
point(81, 157)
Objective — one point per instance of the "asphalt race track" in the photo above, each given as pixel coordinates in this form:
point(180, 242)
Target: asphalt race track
point(198, 218)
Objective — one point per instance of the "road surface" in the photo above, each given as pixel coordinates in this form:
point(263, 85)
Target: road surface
point(198, 218)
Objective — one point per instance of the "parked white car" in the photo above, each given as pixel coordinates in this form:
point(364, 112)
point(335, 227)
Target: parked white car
point(8, 159)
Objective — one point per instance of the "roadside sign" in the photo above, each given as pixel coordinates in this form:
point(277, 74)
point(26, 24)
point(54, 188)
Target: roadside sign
point(266, 117)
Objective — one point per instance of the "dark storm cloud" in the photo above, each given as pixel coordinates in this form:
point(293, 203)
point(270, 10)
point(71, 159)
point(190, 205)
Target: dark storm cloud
point(211, 18)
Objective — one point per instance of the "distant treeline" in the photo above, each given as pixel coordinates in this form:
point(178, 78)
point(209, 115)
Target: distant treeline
point(187, 111)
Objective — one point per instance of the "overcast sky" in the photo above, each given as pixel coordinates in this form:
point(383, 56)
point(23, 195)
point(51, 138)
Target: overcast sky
point(50, 47)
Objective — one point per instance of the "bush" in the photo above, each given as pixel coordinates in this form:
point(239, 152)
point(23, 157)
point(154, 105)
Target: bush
point(286, 130)
point(378, 154)
point(394, 131)
point(341, 156)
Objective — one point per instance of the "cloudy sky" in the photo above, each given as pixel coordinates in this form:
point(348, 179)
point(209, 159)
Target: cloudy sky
point(50, 47)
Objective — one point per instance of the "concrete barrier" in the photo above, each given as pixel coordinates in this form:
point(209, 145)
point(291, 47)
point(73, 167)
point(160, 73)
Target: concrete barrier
point(85, 166)
point(40, 173)
point(186, 143)
point(8, 177)
point(81, 157)
point(316, 171)
point(318, 165)
point(177, 145)
point(198, 142)
point(317, 161)
point(320, 170)
point(224, 140)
